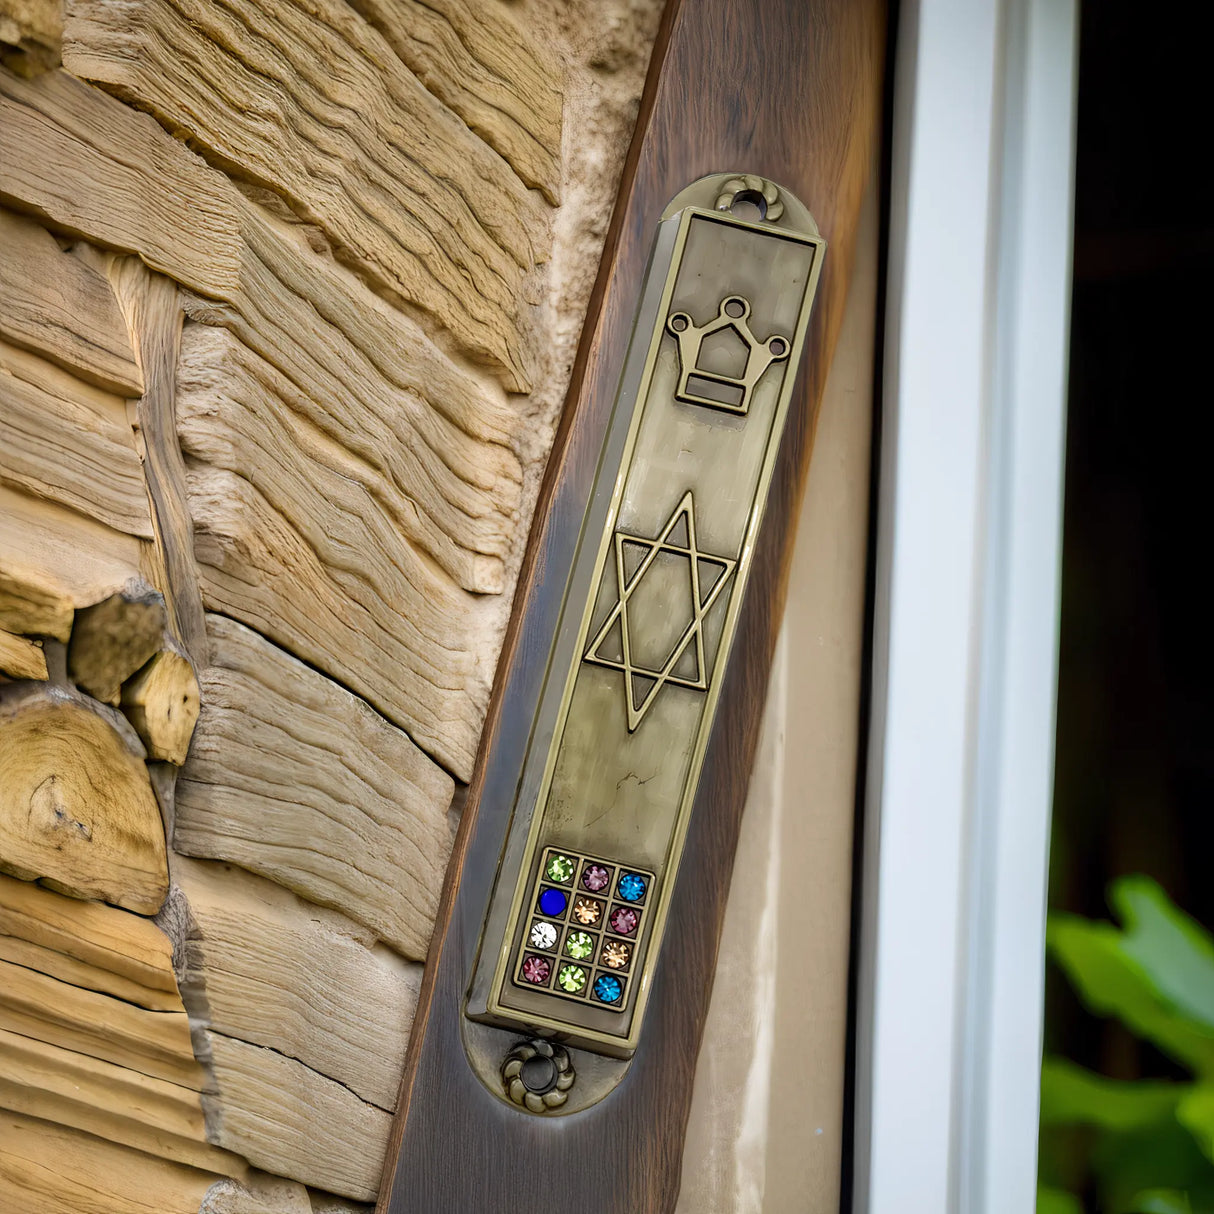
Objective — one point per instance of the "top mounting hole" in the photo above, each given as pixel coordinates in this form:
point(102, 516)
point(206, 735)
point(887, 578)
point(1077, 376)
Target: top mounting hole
point(749, 205)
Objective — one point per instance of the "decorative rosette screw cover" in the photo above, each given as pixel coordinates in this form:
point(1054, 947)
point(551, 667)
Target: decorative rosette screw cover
point(538, 1075)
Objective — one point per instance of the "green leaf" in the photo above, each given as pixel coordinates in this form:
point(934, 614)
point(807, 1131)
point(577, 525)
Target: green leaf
point(1056, 1201)
point(1161, 1201)
point(1196, 1113)
point(1112, 982)
point(1175, 951)
point(1147, 1147)
point(1161, 1157)
point(1071, 1095)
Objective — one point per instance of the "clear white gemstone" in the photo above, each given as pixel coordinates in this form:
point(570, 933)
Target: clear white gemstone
point(543, 935)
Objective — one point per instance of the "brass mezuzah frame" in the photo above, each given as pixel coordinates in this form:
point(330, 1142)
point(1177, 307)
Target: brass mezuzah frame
point(574, 928)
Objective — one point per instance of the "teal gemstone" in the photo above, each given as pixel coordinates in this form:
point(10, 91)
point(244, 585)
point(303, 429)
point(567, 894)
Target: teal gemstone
point(632, 887)
point(608, 989)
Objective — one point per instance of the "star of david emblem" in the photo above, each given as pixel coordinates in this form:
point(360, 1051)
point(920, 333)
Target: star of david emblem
point(708, 576)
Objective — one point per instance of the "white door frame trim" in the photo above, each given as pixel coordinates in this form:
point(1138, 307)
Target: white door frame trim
point(960, 761)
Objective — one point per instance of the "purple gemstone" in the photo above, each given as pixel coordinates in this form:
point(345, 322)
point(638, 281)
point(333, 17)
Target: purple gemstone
point(536, 969)
point(623, 921)
point(595, 878)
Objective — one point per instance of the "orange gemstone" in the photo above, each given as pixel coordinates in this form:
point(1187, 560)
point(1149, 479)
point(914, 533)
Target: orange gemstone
point(587, 910)
point(616, 954)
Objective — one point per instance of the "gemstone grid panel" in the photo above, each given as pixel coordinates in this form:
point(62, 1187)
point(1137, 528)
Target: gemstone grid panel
point(586, 915)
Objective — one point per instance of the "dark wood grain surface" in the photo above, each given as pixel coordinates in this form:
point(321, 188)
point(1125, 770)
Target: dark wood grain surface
point(788, 89)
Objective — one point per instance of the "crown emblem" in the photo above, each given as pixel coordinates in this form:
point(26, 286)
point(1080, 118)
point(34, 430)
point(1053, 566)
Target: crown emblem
point(713, 373)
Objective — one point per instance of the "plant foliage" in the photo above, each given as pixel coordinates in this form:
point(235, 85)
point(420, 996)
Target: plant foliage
point(1149, 1143)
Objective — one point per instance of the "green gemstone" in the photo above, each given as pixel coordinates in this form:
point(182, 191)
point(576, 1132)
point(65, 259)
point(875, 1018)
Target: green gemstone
point(561, 868)
point(572, 978)
point(579, 945)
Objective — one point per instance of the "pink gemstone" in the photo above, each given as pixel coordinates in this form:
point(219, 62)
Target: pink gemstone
point(536, 969)
point(623, 920)
point(595, 877)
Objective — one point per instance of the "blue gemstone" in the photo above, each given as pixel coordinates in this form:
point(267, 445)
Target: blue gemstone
point(632, 887)
point(553, 902)
point(608, 989)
